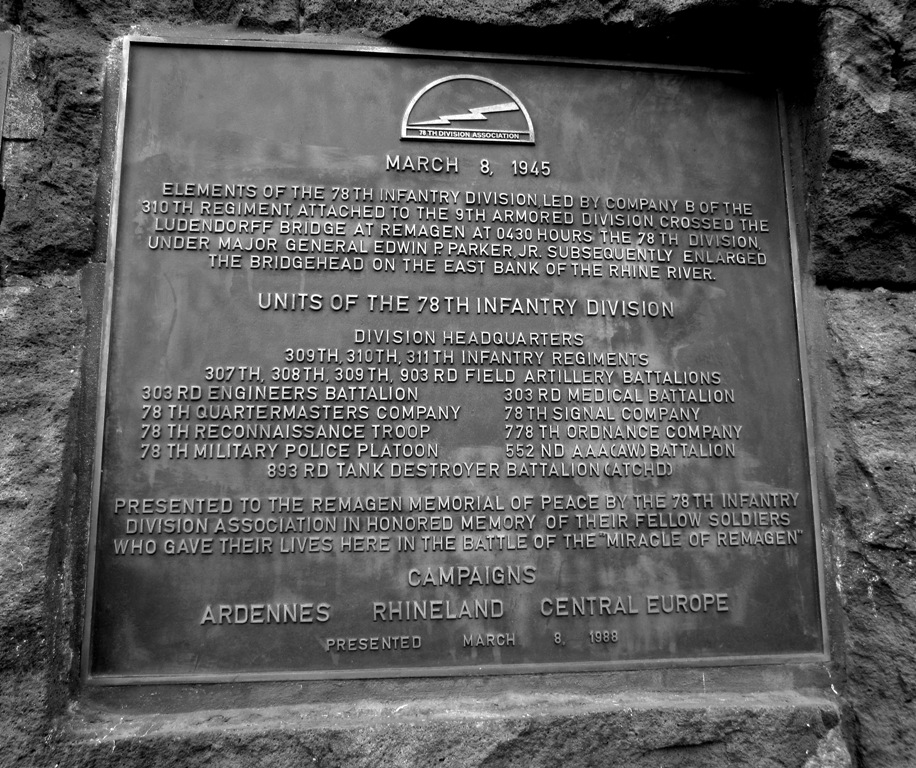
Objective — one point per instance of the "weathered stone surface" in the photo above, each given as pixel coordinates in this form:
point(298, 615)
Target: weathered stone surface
point(831, 753)
point(645, 731)
point(50, 182)
point(865, 223)
point(23, 118)
point(266, 15)
point(40, 340)
point(859, 73)
point(874, 339)
point(270, 15)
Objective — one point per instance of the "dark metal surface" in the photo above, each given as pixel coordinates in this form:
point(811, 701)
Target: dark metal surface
point(613, 556)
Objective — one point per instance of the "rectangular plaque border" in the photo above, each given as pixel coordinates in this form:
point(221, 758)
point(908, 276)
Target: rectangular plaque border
point(6, 63)
point(104, 355)
point(794, 250)
point(89, 679)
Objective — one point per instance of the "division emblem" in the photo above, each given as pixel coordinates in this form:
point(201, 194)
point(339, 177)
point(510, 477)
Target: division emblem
point(467, 108)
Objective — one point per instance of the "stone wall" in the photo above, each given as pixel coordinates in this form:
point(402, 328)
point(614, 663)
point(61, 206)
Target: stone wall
point(849, 71)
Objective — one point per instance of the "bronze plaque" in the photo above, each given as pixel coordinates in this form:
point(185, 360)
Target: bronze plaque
point(432, 364)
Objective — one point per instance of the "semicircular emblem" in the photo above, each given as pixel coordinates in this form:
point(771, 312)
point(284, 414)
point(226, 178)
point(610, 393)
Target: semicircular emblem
point(467, 108)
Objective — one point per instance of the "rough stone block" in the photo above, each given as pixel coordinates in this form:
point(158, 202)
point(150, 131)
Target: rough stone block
point(874, 352)
point(522, 731)
point(864, 231)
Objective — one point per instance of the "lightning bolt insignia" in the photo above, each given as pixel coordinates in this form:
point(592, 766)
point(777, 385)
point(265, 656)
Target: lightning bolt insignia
point(474, 113)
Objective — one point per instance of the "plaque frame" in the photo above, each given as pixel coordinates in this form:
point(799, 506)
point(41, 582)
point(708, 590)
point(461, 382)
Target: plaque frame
point(6, 63)
point(97, 680)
